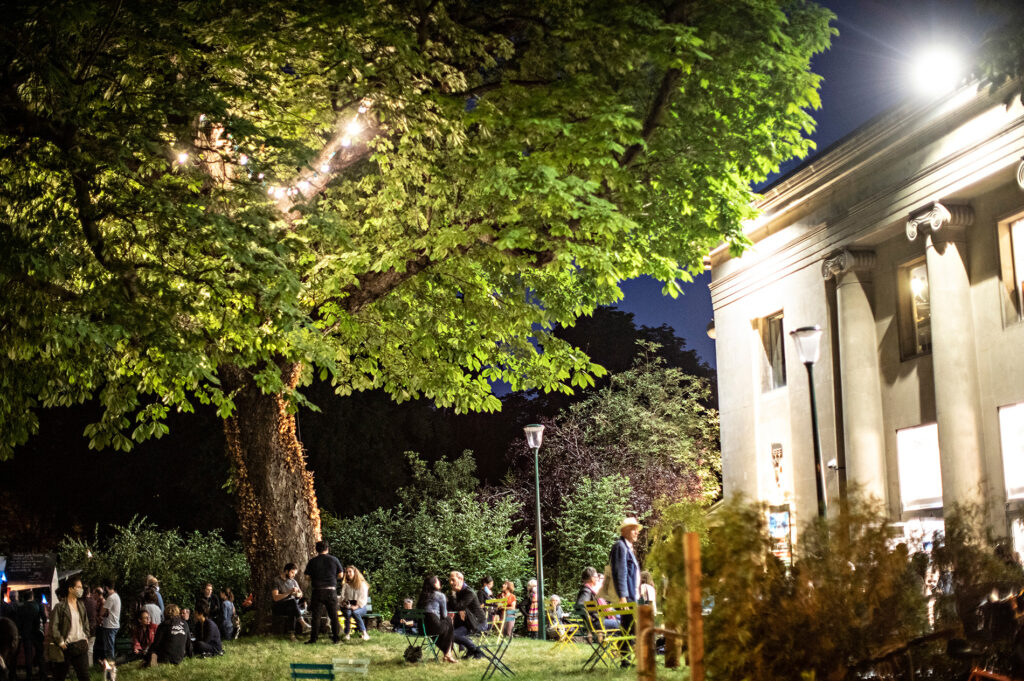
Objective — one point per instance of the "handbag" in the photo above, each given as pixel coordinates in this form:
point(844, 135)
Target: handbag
point(53, 652)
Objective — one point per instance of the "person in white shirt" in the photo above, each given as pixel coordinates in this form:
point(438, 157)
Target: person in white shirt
point(110, 619)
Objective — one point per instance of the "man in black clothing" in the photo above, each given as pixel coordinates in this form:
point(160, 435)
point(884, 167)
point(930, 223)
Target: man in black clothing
point(469, 617)
point(323, 571)
point(207, 636)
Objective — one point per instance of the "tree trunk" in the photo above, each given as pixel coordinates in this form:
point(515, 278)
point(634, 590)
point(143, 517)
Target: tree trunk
point(274, 496)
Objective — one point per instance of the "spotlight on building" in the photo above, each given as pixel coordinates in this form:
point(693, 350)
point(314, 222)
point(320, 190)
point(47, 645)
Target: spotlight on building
point(936, 71)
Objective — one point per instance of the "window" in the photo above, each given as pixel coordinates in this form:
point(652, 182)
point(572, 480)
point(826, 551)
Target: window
point(915, 310)
point(920, 474)
point(773, 374)
point(1011, 435)
point(1011, 262)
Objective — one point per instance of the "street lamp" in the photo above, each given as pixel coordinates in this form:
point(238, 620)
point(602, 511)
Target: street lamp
point(808, 347)
point(534, 436)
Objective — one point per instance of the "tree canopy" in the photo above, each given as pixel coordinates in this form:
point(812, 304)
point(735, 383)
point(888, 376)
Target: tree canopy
point(407, 196)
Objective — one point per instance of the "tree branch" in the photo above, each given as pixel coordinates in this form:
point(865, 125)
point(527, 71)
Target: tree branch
point(669, 82)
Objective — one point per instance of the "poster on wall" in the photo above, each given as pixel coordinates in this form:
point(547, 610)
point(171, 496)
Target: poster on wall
point(780, 532)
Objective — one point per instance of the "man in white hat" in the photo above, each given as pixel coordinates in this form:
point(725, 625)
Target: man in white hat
point(625, 567)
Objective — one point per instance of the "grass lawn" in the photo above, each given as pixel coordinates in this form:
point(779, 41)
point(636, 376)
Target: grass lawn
point(267, 659)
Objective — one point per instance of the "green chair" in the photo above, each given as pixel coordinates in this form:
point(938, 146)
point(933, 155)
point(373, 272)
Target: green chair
point(419, 636)
point(312, 670)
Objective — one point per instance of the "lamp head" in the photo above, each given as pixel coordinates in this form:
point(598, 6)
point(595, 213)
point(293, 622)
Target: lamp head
point(534, 435)
point(808, 343)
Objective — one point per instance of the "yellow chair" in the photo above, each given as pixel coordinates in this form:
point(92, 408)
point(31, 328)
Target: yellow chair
point(497, 606)
point(610, 642)
point(566, 631)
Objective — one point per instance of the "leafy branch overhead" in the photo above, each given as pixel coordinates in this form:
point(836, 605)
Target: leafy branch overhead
point(407, 196)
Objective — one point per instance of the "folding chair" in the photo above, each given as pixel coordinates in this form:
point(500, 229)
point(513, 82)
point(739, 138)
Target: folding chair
point(595, 637)
point(497, 607)
point(419, 636)
point(565, 630)
point(494, 653)
point(343, 665)
point(608, 642)
point(309, 670)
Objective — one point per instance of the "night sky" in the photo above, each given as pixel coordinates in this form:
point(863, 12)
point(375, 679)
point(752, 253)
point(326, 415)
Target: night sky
point(865, 73)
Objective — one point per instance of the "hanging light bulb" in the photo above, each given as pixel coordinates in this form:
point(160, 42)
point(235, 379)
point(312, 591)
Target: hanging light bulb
point(243, 160)
point(303, 186)
point(259, 176)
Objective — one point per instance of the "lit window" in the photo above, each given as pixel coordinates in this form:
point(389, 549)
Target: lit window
point(1011, 260)
point(915, 310)
point(920, 475)
point(1011, 433)
point(774, 357)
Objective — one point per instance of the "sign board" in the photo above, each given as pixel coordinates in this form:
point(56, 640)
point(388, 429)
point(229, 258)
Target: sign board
point(780, 531)
point(31, 570)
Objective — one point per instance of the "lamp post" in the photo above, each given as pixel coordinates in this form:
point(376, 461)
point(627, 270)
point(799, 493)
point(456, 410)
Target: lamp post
point(808, 347)
point(534, 436)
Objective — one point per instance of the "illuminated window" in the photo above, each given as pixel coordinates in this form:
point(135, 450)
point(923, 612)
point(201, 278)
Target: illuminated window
point(915, 310)
point(773, 374)
point(1011, 434)
point(920, 475)
point(1011, 261)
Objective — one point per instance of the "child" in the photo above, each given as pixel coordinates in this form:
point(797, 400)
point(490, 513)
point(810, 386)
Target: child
point(508, 592)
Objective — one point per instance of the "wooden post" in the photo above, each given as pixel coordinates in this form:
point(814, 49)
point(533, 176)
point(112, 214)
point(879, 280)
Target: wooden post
point(695, 625)
point(646, 669)
point(674, 644)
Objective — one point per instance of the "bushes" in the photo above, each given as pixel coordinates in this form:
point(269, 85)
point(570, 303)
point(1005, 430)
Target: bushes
point(586, 527)
point(442, 526)
point(182, 563)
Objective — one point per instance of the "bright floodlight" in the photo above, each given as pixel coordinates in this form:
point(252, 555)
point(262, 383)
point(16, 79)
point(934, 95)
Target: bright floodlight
point(808, 343)
point(936, 71)
point(534, 435)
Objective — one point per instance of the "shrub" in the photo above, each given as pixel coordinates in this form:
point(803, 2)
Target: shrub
point(586, 527)
point(182, 563)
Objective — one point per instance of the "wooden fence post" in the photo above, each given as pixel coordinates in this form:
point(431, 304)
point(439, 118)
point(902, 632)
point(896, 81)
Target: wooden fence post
point(674, 644)
point(646, 664)
point(695, 625)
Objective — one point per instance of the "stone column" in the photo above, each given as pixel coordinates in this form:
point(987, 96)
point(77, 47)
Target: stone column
point(863, 425)
point(954, 355)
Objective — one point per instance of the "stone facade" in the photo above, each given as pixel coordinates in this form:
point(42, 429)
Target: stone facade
point(899, 242)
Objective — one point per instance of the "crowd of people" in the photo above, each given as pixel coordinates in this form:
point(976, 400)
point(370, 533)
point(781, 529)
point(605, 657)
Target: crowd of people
point(81, 628)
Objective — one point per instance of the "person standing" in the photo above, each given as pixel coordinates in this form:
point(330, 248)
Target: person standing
point(626, 569)
point(28, 618)
point(227, 607)
point(110, 619)
point(324, 570)
point(531, 609)
point(212, 603)
point(69, 630)
point(94, 606)
point(154, 584)
point(647, 592)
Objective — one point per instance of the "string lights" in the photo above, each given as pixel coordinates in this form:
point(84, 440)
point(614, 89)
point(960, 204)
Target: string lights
point(303, 186)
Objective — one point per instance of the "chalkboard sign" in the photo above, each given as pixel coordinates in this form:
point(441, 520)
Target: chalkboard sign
point(31, 570)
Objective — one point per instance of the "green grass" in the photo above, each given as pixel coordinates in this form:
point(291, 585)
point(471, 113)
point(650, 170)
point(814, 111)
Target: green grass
point(267, 659)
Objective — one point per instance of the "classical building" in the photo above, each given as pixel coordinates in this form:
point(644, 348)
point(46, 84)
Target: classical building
point(905, 243)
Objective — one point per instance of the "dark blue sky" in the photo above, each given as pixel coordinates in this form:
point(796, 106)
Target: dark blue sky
point(865, 73)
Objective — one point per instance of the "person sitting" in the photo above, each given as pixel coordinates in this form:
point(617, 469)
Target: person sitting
point(508, 592)
point(435, 619)
point(354, 594)
point(484, 594)
point(227, 604)
point(467, 615)
point(152, 606)
point(207, 635)
point(173, 640)
point(285, 599)
point(556, 609)
point(143, 636)
point(401, 625)
point(588, 593)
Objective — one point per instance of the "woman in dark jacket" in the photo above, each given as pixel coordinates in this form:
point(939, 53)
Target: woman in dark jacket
point(436, 621)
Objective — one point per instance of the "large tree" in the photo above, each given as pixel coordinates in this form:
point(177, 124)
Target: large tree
point(211, 200)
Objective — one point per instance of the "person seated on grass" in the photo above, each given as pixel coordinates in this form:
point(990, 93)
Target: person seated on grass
point(467, 615)
point(508, 592)
point(207, 635)
point(173, 639)
point(400, 625)
point(588, 592)
point(143, 635)
point(355, 592)
point(436, 621)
